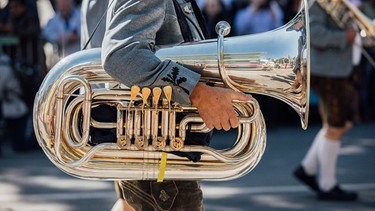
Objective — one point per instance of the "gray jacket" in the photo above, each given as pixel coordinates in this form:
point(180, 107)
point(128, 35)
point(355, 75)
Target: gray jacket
point(331, 55)
point(135, 29)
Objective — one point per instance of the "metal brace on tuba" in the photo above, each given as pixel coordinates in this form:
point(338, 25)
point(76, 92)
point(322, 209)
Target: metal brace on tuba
point(147, 130)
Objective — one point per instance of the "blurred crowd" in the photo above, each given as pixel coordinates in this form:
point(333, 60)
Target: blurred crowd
point(23, 44)
point(29, 48)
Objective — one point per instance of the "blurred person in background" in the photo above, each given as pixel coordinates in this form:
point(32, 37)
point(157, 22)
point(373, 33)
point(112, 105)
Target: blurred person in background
point(27, 60)
point(215, 11)
point(259, 16)
point(54, 3)
point(64, 28)
point(12, 117)
point(227, 3)
point(331, 69)
point(231, 6)
point(22, 23)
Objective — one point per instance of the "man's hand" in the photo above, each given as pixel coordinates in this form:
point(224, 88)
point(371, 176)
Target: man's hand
point(215, 106)
point(350, 35)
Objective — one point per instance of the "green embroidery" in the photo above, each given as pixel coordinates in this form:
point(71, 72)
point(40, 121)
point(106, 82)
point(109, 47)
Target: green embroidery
point(175, 80)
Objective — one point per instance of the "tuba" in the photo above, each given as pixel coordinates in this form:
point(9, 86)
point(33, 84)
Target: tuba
point(147, 132)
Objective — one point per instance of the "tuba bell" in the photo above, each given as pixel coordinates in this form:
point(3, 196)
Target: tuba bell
point(147, 132)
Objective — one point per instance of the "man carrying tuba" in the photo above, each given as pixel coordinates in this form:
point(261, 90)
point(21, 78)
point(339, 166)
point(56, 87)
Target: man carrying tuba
point(134, 31)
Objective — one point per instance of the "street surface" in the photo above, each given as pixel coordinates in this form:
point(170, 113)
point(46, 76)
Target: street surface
point(30, 182)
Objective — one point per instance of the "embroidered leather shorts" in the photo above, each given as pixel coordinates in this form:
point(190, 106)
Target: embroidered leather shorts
point(167, 195)
point(335, 99)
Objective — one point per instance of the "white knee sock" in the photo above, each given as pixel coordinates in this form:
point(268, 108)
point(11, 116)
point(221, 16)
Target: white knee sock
point(328, 151)
point(310, 161)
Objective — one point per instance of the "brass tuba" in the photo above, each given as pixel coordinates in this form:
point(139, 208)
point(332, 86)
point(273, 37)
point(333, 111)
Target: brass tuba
point(147, 131)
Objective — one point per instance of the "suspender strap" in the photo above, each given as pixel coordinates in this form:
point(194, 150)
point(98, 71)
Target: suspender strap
point(200, 17)
point(186, 32)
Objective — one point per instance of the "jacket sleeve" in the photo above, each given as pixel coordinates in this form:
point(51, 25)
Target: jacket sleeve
point(129, 46)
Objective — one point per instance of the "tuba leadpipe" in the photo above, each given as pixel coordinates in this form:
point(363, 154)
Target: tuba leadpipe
point(147, 131)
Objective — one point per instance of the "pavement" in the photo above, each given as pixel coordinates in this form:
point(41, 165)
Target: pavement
point(30, 182)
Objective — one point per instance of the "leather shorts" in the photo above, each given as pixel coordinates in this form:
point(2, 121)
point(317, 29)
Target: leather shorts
point(335, 99)
point(161, 196)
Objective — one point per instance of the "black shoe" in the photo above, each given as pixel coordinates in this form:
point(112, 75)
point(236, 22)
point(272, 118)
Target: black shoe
point(308, 180)
point(337, 194)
